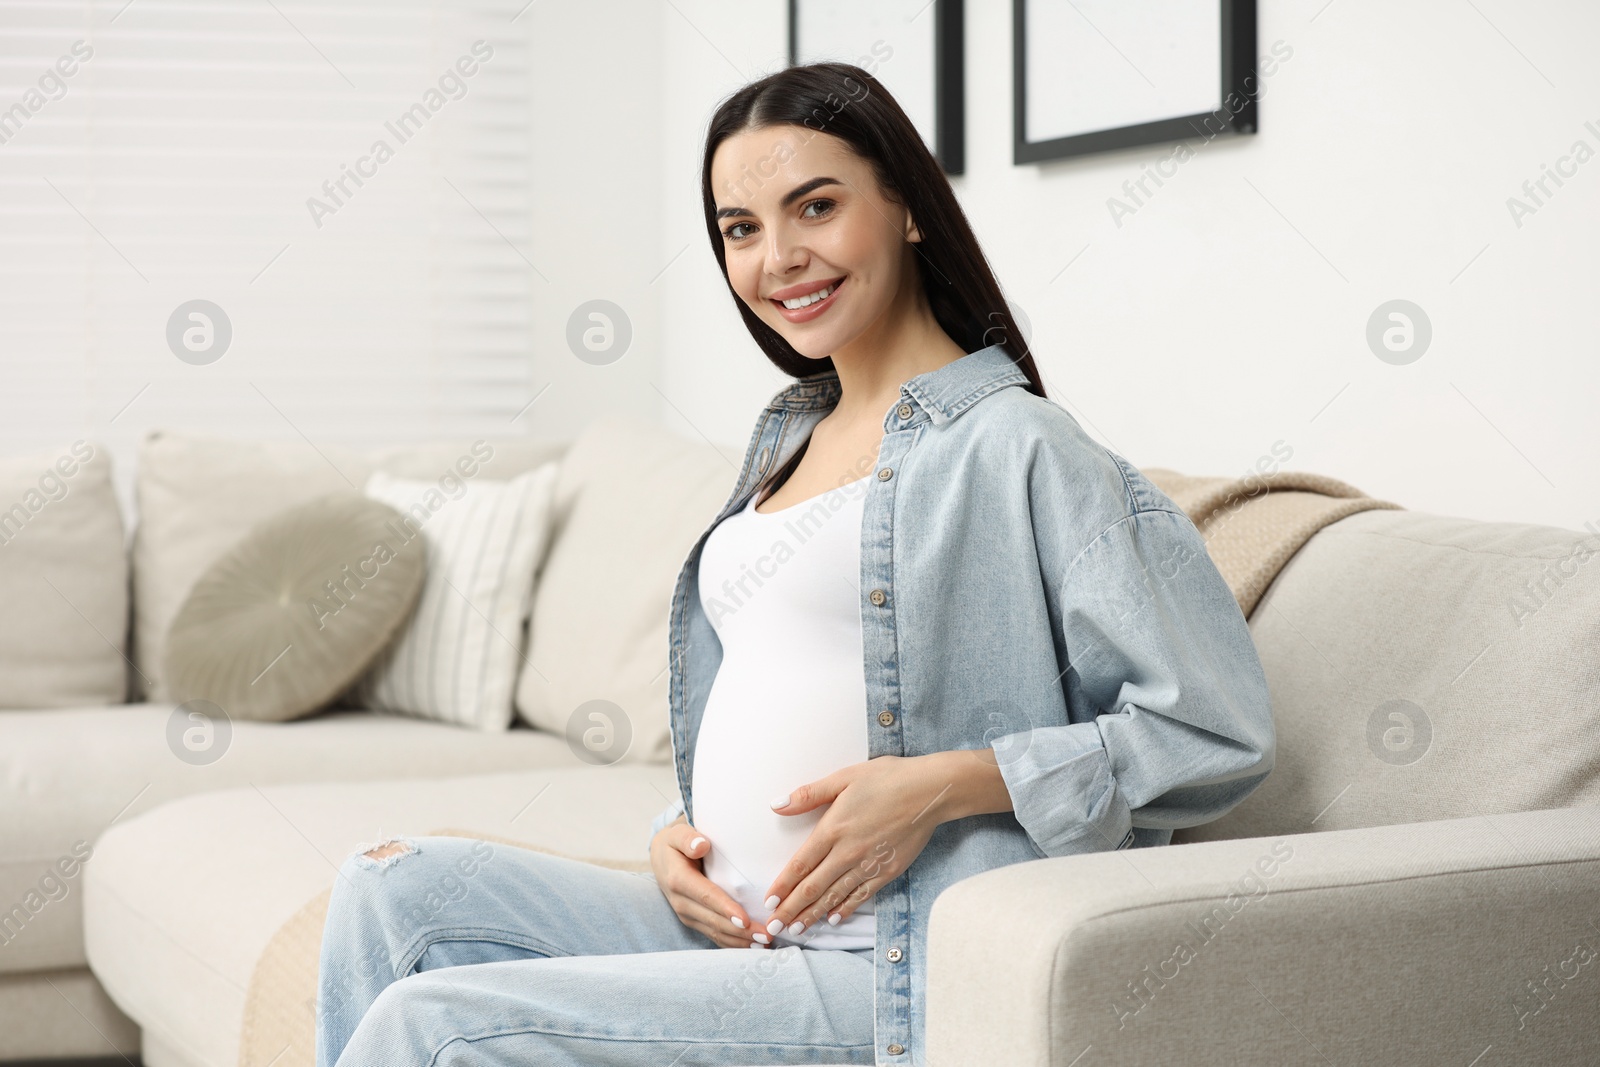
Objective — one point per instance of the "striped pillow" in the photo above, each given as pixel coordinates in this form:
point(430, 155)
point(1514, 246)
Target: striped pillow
point(455, 659)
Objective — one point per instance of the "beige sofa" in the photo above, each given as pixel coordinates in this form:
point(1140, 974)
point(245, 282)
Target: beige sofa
point(85, 774)
point(1415, 883)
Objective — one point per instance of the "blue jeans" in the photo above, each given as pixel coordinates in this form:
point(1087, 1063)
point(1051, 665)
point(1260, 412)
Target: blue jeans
point(458, 951)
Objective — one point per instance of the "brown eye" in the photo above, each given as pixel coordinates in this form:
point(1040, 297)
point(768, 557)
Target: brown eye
point(729, 231)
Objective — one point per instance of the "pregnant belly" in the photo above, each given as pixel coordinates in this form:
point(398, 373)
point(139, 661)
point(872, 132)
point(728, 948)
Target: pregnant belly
point(739, 768)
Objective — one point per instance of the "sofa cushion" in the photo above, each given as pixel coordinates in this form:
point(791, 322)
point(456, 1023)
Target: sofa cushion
point(75, 772)
point(1427, 667)
point(198, 494)
point(631, 501)
point(456, 660)
point(285, 619)
point(175, 942)
point(63, 580)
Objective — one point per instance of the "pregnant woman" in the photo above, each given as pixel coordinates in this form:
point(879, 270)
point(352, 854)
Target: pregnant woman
point(935, 629)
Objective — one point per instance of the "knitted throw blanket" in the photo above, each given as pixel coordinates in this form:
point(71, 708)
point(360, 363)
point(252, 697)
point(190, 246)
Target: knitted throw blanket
point(1253, 525)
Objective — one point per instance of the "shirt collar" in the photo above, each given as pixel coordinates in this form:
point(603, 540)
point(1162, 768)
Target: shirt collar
point(944, 392)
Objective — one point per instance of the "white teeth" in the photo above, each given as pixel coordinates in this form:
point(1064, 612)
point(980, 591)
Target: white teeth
point(806, 301)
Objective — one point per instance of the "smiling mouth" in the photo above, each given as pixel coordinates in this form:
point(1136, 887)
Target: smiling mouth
point(814, 303)
point(816, 297)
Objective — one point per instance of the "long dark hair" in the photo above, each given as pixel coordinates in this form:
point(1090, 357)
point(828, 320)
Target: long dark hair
point(845, 101)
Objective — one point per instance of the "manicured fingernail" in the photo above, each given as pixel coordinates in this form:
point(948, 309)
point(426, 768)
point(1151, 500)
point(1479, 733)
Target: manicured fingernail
point(772, 901)
point(695, 843)
point(763, 938)
point(833, 920)
point(796, 927)
point(735, 920)
point(774, 926)
point(753, 945)
point(781, 802)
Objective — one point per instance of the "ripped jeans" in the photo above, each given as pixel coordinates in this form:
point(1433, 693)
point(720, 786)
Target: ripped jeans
point(456, 951)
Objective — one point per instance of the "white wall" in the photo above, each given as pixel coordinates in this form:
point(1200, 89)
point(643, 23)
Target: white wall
point(1225, 315)
point(598, 140)
point(1229, 311)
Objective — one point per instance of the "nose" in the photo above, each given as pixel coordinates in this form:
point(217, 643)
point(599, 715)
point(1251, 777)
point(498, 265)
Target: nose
point(784, 253)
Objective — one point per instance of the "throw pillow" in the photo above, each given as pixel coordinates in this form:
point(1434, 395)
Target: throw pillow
point(457, 659)
point(198, 493)
point(287, 618)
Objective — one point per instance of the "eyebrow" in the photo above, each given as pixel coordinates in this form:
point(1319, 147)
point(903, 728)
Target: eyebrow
point(789, 198)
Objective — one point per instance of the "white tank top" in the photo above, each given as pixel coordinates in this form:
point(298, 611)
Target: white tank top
point(788, 704)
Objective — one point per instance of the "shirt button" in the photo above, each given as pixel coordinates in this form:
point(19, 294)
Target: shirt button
point(885, 474)
point(904, 411)
point(894, 955)
point(885, 718)
point(877, 597)
point(896, 1049)
point(761, 465)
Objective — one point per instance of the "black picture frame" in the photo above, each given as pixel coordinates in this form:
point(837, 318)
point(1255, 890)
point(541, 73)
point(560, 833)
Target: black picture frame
point(949, 79)
point(1240, 85)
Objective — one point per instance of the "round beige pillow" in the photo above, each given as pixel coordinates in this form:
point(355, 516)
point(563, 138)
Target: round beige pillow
point(288, 618)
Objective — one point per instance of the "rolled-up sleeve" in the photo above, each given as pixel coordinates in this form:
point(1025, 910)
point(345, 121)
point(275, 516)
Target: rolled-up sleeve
point(1170, 722)
point(659, 823)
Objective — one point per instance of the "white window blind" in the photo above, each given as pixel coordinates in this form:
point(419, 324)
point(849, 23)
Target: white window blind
point(188, 156)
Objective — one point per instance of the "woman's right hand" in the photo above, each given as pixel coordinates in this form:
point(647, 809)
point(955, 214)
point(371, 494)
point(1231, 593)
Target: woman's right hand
point(701, 904)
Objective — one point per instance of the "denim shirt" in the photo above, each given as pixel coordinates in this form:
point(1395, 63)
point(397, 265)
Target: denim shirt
point(1026, 590)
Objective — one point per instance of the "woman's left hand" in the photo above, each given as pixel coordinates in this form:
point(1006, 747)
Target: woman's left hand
point(883, 813)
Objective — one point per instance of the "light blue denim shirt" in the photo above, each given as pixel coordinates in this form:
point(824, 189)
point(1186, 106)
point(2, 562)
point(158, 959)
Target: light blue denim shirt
point(1025, 589)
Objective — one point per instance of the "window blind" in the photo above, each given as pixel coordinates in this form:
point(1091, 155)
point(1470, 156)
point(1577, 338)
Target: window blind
point(348, 181)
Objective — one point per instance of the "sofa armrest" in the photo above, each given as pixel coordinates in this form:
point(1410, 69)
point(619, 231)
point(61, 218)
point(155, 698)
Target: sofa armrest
point(1423, 943)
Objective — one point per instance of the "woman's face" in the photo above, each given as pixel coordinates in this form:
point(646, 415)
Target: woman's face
point(799, 212)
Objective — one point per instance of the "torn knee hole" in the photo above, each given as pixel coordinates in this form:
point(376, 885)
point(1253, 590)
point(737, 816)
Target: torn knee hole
point(383, 853)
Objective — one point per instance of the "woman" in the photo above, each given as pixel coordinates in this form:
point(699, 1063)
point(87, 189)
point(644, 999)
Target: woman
point(951, 630)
